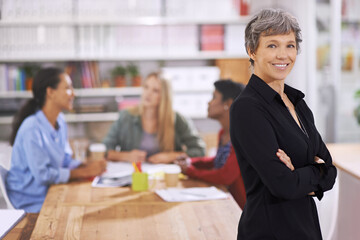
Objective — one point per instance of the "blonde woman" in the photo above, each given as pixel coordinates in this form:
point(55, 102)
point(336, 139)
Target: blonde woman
point(153, 131)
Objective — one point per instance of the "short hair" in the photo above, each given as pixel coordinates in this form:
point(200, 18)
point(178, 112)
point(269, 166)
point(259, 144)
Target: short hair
point(270, 22)
point(228, 88)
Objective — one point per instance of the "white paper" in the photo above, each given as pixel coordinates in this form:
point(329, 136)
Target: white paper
point(119, 173)
point(8, 219)
point(191, 194)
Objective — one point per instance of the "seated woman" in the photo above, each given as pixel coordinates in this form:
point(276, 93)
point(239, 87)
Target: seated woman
point(223, 168)
point(41, 154)
point(152, 131)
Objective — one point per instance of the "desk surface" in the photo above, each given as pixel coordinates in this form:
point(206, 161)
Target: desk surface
point(346, 156)
point(78, 211)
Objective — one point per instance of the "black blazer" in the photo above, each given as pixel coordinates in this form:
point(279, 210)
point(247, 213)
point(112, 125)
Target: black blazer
point(278, 205)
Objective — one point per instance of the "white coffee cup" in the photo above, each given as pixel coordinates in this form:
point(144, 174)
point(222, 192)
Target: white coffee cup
point(97, 151)
point(171, 175)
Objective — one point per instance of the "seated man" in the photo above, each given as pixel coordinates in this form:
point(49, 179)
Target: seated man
point(223, 168)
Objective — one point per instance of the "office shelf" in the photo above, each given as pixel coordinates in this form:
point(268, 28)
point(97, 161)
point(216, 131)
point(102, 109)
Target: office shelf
point(16, 94)
point(77, 35)
point(103, 92)
point(6, 120)
point(91, 117)
point(77, 117)
point(155, 57)
point(88, 117)
point(142, 21)
point(90, 92)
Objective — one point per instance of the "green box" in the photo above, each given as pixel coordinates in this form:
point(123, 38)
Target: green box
point(139, 181)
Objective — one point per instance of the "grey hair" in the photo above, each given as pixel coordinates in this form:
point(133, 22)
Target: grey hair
point(270, 22)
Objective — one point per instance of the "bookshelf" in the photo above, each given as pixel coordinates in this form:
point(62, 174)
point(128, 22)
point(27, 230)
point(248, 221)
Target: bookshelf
point(153, 57)
point(151, 34)
point(92, 92)
point(118, 21)
point(91, 117)
point(112, 92)
point(79, 93)
point(103, 42)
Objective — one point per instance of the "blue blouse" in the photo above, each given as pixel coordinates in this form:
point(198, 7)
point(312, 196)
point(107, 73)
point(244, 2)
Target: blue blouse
point(41, 156)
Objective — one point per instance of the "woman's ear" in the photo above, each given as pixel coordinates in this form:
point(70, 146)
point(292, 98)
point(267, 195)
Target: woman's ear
point(252, 56)
point(49, 92)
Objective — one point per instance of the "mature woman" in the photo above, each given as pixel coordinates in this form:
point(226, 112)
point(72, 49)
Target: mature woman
point(152, 131)
point(41, 153)
point(223, 168)
point(282, 158)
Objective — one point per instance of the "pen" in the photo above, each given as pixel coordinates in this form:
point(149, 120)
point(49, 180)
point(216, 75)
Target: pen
point(194, 194)
point(138, 164)
point(135, 167)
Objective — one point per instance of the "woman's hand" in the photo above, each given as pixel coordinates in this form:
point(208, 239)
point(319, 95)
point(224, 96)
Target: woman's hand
point(91, 169)
point(137, 156)
point(127, 156)
point(95, 168)
point(165, 157)
point(184, 162)
point(285, 159)
point(318, 160)
point(160, 158)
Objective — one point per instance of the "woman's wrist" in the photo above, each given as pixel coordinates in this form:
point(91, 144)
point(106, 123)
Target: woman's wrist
point(76, 173)
point(117, 156)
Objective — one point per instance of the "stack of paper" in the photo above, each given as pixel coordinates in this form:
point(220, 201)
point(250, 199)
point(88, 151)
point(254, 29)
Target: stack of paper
point(116, 175)
point(119, 173)
point(191, 194)
point(120, 181)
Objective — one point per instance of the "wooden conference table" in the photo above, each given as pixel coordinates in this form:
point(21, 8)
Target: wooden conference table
point(79, 211)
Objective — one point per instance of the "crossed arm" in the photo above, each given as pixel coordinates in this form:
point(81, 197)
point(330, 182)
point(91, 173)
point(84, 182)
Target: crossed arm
point(283, 157)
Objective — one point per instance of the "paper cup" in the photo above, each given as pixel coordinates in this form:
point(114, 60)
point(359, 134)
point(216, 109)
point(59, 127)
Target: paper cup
point(171, 175)
point(97, 151)
point(139, 181)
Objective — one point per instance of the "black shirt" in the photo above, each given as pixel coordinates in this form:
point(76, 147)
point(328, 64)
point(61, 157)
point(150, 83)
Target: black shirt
point(278, 205)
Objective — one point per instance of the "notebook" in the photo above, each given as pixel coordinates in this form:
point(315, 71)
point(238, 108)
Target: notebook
point(8, 219)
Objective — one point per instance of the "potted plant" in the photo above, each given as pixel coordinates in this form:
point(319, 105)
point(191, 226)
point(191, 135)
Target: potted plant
point(118, 74)
point(134, 74)
point(30, 70)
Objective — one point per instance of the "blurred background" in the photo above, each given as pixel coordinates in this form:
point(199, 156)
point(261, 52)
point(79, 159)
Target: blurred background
point(109, 46)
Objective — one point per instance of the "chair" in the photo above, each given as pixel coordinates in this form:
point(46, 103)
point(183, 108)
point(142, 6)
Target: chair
point(3, 173)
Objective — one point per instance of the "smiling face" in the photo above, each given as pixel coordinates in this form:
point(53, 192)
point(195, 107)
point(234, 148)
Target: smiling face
point(63, 95)
point(151, 95)
point(275, 57)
